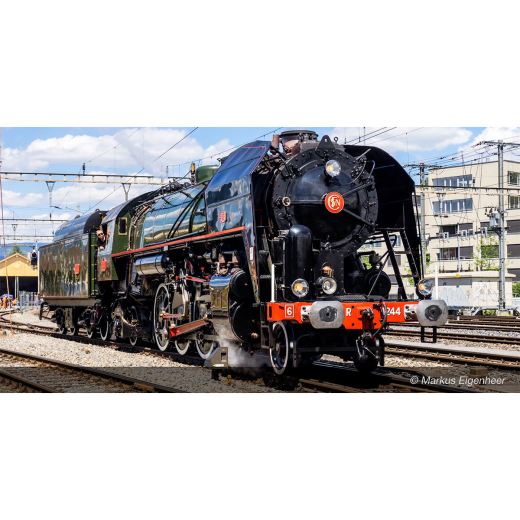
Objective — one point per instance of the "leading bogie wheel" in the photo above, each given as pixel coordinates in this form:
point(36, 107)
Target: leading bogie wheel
point(91, 332)
point(73, 331)
point(134, 341)
point(280, 352)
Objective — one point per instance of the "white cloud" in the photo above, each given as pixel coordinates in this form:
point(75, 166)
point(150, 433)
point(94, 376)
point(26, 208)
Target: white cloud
point(510, 133)
point(137, 150)
point(404, 139)
point(17, 199)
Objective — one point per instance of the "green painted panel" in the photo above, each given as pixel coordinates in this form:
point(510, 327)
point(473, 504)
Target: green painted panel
point(65, 268)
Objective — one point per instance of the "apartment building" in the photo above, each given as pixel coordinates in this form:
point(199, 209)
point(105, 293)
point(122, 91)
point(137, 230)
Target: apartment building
point(457, 223)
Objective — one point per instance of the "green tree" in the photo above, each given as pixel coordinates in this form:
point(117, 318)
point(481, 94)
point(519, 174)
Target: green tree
point(15, 249)
point(408, 271)
point(516, 288)
point(485, 257)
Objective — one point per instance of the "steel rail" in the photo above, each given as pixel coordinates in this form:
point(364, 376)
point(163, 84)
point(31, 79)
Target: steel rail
point(497, 361)
point(468, 325)
point(478, 338)
point(137, 383)
point(25, 382)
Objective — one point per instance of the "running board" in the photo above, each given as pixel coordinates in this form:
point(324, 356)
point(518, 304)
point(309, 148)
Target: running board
point(187, 327)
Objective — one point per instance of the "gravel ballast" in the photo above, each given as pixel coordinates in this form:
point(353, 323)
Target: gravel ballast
point(146, 367)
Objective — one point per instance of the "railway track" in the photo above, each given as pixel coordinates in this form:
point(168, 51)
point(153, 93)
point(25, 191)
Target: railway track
point(47, 375)
point(453, 336)
point(469, 325)
point(322, 376)
point(498, 361)
point(328, 376)
point(489, 320)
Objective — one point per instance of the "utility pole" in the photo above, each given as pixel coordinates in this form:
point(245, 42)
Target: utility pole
point(50, 185)
point(423, 167)
point(502, 235)
point(500, 229)
point(423, 223)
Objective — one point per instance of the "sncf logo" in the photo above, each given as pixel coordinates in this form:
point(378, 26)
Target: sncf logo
point(334, 202)
point(222, 217)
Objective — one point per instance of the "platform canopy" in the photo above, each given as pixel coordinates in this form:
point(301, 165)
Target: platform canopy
point(17, 265)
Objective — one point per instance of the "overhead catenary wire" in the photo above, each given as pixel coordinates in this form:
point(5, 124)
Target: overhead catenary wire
point(227, 150)
point(114, 147)
point(121, 185)
point(164, 153)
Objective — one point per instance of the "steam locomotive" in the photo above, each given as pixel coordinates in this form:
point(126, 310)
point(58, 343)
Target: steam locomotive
point(260, 255)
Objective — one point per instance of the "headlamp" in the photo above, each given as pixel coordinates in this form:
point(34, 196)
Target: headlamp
point(300, 287)
point(329, 285)
point(332, 168)
point(425, 287)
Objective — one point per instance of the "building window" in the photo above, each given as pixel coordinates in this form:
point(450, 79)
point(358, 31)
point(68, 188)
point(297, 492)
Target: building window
point(448, 253)
point(466, 252)
point(452, 230)
point(513, 178)
point(453, 206)
point(461, 181)
point(514, 202)
point(513, 250)
point(514, 227)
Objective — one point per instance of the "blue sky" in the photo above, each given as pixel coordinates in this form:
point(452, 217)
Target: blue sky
point(63, 150)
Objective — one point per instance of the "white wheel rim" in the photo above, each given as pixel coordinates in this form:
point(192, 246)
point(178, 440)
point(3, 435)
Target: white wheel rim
point(182, 351)
point(277, 370)
point(207, 354)
point(160, 345)
point(103, 330)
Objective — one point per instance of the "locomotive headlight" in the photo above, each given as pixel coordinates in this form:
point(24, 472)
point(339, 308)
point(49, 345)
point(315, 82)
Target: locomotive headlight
point(425, 287)
point(329, 285)
point(300, 287)
point(332, 168)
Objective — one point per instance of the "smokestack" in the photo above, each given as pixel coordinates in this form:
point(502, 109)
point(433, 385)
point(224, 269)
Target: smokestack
point(275, 143)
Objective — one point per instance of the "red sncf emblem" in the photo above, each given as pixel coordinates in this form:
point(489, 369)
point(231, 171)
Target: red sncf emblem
point(104, 265)
point(334, 202)
point(222, 217)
